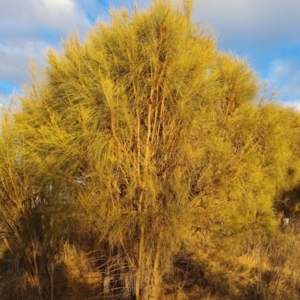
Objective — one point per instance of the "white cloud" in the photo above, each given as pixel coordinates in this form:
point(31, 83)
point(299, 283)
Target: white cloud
point(258, 28)
point(284, 77)
point(24, 33)
point(63, 15)
point(265, 31)
point(14, 60)
point(64, 5)
point(266, 23)
point(294, 104)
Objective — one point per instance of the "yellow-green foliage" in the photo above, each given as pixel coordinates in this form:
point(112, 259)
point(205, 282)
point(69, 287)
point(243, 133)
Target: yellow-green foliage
point(156, 138)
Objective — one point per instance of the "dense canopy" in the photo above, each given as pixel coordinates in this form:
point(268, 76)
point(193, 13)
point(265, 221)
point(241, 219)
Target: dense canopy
point(136, 154)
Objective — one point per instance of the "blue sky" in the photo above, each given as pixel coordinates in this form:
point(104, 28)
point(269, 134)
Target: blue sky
point(266, 32)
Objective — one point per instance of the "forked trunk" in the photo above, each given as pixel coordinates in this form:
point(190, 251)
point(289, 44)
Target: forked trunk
point(148, 285)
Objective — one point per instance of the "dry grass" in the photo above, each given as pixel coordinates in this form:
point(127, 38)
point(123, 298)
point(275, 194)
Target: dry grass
point(264, 270)
point(268, 269)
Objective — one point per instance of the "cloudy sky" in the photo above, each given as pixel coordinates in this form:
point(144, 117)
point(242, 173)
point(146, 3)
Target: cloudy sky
point(266, 32)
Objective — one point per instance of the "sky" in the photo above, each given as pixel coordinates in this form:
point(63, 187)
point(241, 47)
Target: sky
point(265, 32)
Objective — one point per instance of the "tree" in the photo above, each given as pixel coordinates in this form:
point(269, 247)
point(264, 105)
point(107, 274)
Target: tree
point(160, 139)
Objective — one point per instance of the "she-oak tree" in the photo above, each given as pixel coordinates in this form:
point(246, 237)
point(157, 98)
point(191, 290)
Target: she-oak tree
point(156, 138)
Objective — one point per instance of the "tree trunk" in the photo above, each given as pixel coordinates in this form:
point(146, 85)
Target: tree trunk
point(148, 276)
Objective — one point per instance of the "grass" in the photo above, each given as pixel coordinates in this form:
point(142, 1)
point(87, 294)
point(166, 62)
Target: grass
point(265, 269)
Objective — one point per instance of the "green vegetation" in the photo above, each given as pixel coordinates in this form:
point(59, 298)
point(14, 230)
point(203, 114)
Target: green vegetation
point(144, 164)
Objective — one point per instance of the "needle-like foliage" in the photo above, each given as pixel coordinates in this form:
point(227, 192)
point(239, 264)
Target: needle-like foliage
point(156, 138)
